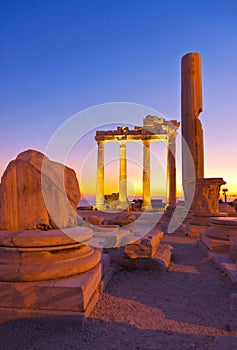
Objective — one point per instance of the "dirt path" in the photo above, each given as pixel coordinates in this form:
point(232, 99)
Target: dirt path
point(184, 308)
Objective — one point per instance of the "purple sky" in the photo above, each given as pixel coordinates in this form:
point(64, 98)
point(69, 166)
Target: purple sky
point(60, 57)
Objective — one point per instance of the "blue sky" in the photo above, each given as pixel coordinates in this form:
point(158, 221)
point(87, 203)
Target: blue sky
point(60, 57)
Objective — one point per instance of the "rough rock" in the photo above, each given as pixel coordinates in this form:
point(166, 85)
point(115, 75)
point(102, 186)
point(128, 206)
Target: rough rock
point(144, 247)
point(22, 202)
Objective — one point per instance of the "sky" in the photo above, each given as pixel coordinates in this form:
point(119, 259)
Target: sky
point(58, 58)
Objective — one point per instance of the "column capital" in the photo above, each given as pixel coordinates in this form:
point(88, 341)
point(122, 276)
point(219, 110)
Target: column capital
point(146, 143)
point(100, 143)
point(122, 143)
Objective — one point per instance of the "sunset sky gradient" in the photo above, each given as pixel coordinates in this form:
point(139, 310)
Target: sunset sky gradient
point(61, 57)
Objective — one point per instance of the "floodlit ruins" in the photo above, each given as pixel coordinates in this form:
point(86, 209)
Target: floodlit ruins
point(153, 129)
point(53, 261)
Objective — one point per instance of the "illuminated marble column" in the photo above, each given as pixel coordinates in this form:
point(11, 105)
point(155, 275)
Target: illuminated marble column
point(99, 203)
point(171, 170)
point(192, 132)
point(146, 175)
point(123, 175)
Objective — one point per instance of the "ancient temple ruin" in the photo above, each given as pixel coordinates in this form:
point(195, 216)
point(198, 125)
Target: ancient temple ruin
point(154, 129)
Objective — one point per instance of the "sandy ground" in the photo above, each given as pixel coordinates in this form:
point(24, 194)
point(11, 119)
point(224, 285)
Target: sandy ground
point(183, 308)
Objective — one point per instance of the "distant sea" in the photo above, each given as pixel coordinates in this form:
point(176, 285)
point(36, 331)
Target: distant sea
point(90, 200)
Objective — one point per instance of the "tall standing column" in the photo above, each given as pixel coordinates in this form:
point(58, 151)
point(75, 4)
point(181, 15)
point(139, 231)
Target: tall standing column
point(191, 107)
point(171, 170)
point(146, 175)
point(123, 175)
point(99, 204)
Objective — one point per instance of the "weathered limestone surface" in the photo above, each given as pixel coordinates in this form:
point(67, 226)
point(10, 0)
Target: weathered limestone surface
point(70, 290)
point(221, 258)
point(144, 247)
point(45, 255)
point(205, 205)
point(191, 107)
point(147, 253)
point(50, 271)
point(45, 272)
point(206, 195)
point(218, 241)
point(218, 235)
point(215, 245)
point(74, 296)
point(160, 261)
point(22, 205)
point(226, 208)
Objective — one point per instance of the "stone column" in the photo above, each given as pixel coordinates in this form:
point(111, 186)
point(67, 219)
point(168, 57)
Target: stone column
point(99, 203)
point(123, 175)
point(146, 175)
point(191, 107)
point(171, 170)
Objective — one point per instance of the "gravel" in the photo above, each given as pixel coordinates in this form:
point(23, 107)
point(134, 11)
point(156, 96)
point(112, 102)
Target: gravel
point(183, 308)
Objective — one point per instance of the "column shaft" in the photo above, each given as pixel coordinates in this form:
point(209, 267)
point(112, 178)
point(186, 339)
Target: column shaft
point(171, 171)
point(100, 177)
point(146, 175)
point(192, 133)
point(123, 174)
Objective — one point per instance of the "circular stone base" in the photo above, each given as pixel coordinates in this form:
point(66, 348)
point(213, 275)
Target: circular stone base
point(222, 228)
point(45, 255)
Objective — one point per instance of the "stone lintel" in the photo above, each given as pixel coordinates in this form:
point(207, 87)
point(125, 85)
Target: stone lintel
point(157, 128)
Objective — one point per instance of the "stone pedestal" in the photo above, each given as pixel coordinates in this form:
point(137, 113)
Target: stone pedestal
point(205, 205)
point(218, 242)
point(220, 234)
point(50, 272)
point(227, 208)
point(199, 222)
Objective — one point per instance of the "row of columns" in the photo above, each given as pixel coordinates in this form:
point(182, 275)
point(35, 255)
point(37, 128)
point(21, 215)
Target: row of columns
point(171, 174)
